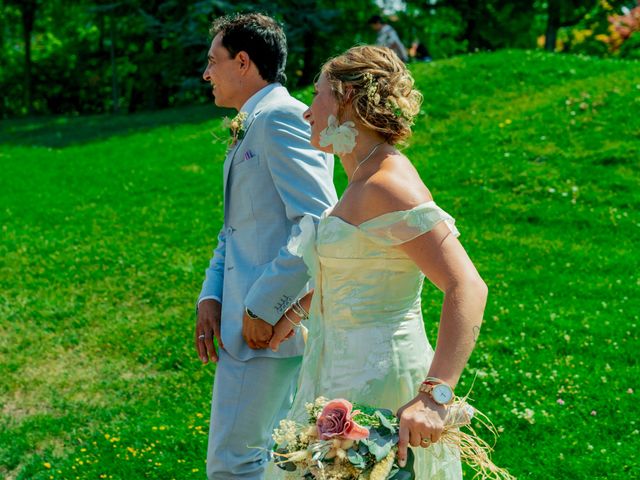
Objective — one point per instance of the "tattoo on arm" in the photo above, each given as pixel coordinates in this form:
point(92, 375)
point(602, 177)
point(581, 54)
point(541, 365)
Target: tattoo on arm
point(476, 333)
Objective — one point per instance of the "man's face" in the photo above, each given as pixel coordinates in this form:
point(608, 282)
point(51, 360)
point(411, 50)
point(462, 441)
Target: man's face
point(376, 27)
point(223, 73)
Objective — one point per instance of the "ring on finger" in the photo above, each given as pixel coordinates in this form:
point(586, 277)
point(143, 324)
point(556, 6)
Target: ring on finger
point(425, 441)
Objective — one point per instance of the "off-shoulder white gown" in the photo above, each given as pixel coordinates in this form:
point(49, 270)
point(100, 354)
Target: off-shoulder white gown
point(367, 341)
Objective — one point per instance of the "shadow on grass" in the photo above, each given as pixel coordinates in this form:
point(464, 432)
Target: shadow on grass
point(63, 131)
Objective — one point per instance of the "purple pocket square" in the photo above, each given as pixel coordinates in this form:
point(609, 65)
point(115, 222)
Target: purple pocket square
point(248, 155)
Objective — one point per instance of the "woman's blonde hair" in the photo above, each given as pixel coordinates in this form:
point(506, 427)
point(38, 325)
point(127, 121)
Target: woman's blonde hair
point(379, 89)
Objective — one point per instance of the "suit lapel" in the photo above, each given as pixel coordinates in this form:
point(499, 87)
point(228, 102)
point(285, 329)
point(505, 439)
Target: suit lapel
point(228, 161)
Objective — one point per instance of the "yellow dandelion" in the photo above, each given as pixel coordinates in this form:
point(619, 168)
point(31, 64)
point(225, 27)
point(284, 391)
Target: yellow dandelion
point(508, 121)
point(162, 427)
point(47, 465)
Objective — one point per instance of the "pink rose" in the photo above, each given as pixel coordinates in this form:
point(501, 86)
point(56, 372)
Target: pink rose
point(335, 421)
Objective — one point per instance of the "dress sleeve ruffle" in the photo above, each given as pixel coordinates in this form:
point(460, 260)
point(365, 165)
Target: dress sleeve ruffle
point(302, 243)
point(396, 228)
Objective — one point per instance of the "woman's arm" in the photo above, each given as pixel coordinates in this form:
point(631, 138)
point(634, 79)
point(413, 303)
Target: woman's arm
point(284, 329)
point(446, 264)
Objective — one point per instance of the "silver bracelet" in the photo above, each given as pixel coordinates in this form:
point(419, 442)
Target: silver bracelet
point(295, 325)
point(299, 310)
point(295, 309)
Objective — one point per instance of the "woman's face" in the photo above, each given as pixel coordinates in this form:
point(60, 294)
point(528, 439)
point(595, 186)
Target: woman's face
point(324, 104)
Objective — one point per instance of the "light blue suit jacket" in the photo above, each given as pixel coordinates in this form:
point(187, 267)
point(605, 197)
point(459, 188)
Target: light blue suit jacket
point(272, 178)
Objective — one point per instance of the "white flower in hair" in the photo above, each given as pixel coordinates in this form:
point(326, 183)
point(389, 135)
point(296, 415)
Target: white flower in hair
point(342, 137)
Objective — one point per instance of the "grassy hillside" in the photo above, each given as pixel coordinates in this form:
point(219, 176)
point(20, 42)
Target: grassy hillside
point(108, 224)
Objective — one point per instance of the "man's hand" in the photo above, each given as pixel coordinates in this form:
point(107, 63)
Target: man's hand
point(256, 332)
point(208, 327)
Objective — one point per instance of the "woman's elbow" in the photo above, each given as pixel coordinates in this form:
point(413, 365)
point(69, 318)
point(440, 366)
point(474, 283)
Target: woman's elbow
point(477, 289)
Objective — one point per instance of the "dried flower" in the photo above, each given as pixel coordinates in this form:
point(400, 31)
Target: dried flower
point(236, 127)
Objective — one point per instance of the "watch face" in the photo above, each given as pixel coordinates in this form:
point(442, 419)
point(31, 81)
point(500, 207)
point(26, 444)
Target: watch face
point(442, 394)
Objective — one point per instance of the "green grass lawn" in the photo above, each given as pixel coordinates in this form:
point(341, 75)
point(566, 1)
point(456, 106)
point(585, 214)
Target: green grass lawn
point(108, 224)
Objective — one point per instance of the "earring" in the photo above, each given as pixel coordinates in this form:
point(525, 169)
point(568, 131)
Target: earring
point(342, 137)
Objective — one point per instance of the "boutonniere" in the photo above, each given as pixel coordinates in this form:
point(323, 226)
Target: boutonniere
point(236, 127)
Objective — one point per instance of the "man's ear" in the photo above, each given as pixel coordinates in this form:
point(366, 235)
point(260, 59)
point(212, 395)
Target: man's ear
point(243, 58)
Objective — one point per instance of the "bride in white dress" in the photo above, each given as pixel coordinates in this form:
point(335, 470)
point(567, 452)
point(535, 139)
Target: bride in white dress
point(369, 255)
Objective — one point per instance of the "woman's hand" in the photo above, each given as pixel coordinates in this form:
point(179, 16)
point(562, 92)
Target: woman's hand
point(421, 424)
point(283, 330)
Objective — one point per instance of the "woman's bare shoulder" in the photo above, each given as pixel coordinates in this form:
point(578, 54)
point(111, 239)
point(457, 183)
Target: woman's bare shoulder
point(396, 186)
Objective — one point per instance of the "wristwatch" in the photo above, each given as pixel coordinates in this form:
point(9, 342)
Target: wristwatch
point(439, 391)
point(250, 313)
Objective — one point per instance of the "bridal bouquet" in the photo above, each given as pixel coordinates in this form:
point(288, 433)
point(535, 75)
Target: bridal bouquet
point(343, 443)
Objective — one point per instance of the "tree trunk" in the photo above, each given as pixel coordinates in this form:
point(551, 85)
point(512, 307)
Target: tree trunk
point(553, 24)
point(471, 16)
point(115, 93)
point(28, 9)
point(308, 68)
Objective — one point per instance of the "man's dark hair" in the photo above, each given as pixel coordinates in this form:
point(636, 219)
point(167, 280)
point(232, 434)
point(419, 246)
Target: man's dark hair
point(261, 37)
point(375, 19)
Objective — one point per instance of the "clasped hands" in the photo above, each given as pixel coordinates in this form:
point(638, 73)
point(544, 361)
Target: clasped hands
point(256, 332)
point(259, 334)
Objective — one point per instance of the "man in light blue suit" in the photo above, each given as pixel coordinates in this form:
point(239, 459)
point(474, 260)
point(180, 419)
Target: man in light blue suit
point(272, 178)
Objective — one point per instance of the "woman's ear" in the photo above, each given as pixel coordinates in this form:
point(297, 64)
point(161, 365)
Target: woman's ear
point(348, 95)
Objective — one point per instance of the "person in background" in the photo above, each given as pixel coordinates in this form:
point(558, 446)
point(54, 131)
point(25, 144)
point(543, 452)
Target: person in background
point(388, 37)
point(419, 53)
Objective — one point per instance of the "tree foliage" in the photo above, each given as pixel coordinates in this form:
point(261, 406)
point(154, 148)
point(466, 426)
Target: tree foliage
point(63, 56)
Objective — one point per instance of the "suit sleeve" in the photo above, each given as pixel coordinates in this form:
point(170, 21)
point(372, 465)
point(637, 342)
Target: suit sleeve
point(303, 178)
point(214, 277)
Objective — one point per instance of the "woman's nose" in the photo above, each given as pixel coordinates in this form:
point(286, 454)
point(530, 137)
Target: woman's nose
point(307, 115)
